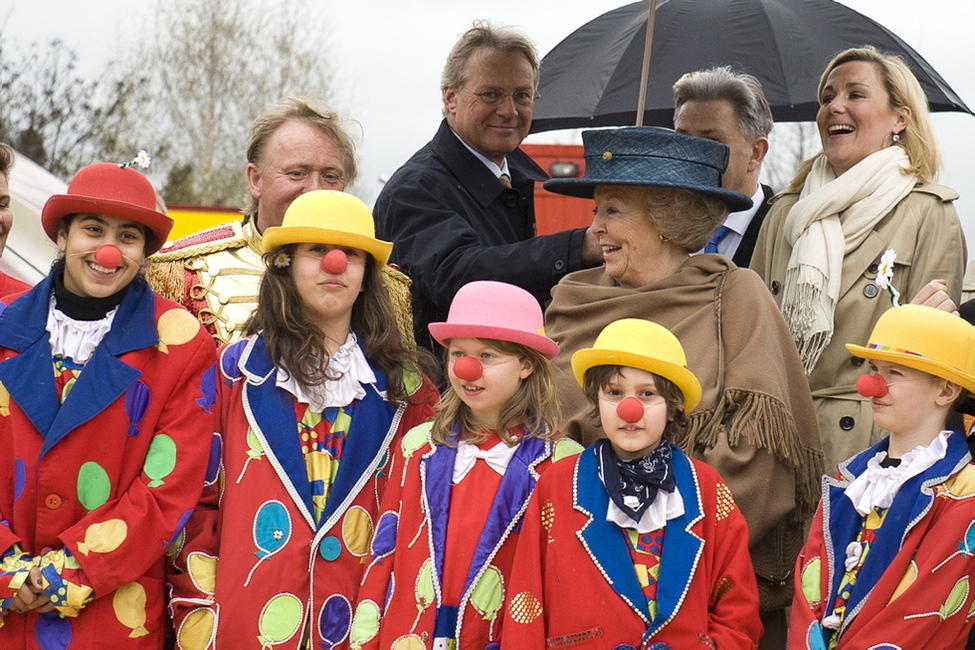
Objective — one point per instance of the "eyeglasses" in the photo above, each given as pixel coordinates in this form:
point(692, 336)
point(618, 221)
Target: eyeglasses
point(495, 97)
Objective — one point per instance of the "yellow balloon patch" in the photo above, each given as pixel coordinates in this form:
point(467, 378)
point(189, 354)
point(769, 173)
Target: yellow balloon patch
point(357, 531)
point(196, 630)
point(104, 537)
point(203, 571)
point(130, 608)
point(176, 327)
point(408, 642)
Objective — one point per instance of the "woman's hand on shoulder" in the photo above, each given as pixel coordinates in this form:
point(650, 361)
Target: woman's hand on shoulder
point(935, 294)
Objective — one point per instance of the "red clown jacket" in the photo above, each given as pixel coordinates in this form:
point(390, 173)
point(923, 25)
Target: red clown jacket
point(574, 585)
point(400, 600)
point(278, 576)
point(916, 587)
point(111, 474)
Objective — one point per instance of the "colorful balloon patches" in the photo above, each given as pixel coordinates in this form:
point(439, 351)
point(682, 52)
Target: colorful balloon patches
point(196, 630)
point(488, 593)
point(161, 459)
point(129, 603)
point(279, 620)
point(208, 389)
point(94, 486)
point(136, 403)
point(357, 531)
point(272, 530)
point(52, 632)
point(334, 621)
point(365, 625)
point(104, 537)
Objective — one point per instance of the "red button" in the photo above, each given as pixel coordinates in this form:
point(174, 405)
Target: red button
point(52, 501)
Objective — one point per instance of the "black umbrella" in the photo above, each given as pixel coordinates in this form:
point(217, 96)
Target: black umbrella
point(592, 78)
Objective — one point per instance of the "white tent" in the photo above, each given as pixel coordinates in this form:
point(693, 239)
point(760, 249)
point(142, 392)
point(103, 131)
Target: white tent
point(29, 252)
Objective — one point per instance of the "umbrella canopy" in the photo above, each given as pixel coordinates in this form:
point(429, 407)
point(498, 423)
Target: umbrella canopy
point(592, 77)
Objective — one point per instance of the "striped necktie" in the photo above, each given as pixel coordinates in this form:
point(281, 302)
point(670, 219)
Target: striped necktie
point(505, 180)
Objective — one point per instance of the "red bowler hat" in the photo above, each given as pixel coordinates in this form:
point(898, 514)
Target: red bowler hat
point(107, 188)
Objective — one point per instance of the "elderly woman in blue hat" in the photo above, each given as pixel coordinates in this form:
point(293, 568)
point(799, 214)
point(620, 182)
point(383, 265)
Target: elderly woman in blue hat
point(658, 199)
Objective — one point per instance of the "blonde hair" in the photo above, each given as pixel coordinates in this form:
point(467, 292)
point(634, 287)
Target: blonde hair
point(903, 90)
point(535, 404)
point(483, 35)
point(310, 110)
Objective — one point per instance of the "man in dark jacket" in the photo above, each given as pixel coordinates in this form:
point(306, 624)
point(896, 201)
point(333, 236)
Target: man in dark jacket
point(461, 208)
point(730, 107)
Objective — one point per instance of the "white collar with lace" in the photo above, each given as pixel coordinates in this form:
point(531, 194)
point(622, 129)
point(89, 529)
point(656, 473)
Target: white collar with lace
point(349, 364)
point(76, 339)
point(877, 486)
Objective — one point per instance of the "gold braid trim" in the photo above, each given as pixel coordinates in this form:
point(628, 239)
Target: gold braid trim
point(198, 250)
point(764, 421)
point(398, 287)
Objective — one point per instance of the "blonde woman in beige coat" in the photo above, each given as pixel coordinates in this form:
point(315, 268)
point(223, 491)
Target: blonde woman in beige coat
point(830, 234)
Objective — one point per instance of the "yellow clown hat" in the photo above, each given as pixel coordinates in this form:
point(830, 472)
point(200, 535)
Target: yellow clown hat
point(638, 343)
point(926, 339)
point(328, 217)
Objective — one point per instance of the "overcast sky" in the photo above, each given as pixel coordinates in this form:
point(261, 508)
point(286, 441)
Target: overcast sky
point(388, 56)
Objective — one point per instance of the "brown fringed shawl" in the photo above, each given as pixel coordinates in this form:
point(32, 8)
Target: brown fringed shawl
point(755, 423)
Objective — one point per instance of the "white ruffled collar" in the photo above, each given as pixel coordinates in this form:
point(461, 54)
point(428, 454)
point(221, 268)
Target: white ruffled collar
point(877, 486)
point(76, 339)
point(352, 369)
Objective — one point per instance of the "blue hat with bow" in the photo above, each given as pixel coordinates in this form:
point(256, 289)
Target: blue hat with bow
point(654, 157)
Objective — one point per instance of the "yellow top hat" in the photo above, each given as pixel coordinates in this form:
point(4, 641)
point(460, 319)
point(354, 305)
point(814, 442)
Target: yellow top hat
point(328, 217)
point(926, 339)
point(642, 344)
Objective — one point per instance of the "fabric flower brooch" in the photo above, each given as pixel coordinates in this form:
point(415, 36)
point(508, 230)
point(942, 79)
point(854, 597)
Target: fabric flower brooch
point(885, 276)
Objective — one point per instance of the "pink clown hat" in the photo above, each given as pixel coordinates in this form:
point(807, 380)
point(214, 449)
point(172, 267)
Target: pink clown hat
point(495, 310)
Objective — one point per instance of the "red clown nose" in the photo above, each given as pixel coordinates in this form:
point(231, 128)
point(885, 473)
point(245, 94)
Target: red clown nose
point(335, 262)
point(108, 256)
point(871, 386)
point(630, 409)
point(468, 369)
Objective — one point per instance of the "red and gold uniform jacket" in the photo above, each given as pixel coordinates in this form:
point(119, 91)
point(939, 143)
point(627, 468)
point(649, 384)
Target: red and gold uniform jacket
point(96, 489)
point(254, 569)
point(575, 586)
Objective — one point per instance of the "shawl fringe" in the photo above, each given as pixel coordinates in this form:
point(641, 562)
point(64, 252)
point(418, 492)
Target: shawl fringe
point(808, 313)
point(763, 421)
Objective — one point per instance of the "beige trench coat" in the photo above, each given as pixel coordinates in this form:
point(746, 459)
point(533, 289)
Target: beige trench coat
point(925, 232)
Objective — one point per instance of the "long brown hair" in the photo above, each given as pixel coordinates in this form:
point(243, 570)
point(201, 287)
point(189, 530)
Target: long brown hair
point(294, 341)
point(535, 405)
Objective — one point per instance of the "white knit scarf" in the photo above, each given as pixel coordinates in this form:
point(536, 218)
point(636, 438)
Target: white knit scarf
point(832, 217)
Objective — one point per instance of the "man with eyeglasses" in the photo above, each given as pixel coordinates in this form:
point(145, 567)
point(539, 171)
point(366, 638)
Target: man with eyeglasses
point(295, 146)
point(461, 209)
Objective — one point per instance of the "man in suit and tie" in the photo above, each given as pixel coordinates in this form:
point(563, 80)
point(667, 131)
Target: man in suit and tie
point(731, 108)
point(461, 208)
